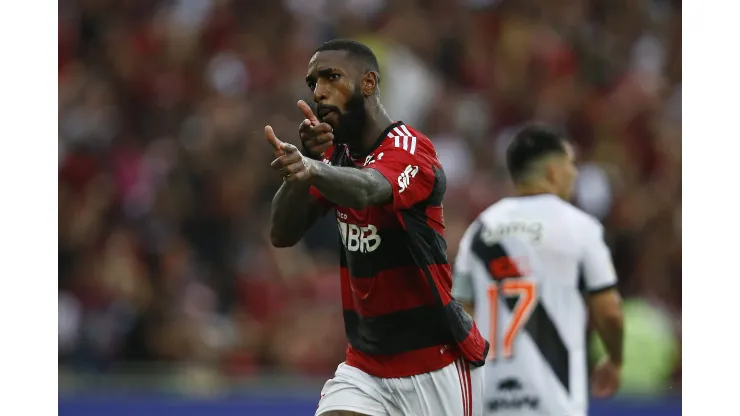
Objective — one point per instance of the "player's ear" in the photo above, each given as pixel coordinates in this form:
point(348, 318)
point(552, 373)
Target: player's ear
point(370, 83)
point(551, 171)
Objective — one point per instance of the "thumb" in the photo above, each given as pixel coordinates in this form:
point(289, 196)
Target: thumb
point(272, 139)
point(307, 112)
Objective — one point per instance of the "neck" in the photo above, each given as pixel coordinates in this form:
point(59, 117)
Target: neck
point(377, 120)
point(534, 189)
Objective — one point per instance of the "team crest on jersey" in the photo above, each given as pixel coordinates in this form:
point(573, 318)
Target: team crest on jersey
point(371, 158)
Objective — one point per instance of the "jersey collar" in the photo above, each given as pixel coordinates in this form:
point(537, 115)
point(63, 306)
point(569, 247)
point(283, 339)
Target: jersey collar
point(383, 135)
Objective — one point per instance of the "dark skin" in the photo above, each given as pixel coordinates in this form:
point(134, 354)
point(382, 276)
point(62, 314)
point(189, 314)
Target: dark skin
point(335, 78)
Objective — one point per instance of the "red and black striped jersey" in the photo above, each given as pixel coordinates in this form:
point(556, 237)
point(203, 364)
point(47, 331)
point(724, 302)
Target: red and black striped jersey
point(399, 314)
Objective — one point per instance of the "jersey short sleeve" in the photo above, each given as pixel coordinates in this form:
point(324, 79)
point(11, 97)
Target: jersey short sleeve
point(598, 269)
point(409, 169)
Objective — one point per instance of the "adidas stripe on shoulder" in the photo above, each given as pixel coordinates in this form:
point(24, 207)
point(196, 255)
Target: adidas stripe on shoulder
point(403, 138)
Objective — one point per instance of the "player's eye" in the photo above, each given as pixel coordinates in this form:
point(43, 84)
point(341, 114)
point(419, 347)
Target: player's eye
point(334, 77)
point(311, 85)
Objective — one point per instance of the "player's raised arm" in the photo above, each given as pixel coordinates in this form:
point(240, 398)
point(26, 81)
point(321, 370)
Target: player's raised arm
point(344, 186)
point(351, 187)
point(401, 176)
point(294, 210)
point(605, 306)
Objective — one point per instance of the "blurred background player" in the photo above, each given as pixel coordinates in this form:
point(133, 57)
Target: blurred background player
point(533, 267)
point(412, 349)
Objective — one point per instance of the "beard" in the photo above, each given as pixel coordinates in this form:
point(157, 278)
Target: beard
point(352, 121)
point(349, 128)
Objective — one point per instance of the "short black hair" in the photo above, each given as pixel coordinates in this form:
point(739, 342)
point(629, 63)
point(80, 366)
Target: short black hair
point(356, 50)
point(531, 144)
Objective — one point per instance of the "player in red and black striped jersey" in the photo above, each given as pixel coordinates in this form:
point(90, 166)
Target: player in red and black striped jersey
point(412, 348)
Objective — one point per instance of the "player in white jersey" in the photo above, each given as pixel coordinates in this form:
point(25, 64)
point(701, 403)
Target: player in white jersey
point(530, 269)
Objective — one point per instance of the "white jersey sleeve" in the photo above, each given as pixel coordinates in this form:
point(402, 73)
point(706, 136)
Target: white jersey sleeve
point(598, 269)
point(462, 280)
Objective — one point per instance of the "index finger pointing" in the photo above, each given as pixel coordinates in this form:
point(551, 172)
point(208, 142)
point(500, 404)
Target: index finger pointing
point(272, 139)
point(306, 110)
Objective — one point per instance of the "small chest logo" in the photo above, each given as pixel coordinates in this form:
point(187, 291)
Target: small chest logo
point(371, 159)
point(405, 177)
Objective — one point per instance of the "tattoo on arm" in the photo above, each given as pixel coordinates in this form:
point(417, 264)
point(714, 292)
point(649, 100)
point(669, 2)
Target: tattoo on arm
point(352, 187)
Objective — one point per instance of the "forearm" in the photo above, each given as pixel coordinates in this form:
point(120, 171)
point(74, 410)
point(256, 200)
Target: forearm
point(292, 208)
point(611, 332)
point(351, 187)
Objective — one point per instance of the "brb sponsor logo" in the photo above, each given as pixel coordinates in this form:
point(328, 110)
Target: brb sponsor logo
point(511, 397)
point(356, 238)
point(405, 178)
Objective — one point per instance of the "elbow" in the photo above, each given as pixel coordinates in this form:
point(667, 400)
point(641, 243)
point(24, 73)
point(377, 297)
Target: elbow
point(611, 320)
point(606, 310)
point(278, 243)
point(615, 319)
point(281, 241)
point(356, 200)
point(362, 199)
point(365, 195)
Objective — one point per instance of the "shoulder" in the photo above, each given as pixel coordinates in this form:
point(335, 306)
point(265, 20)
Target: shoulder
point(495, 212)
point(585, 225)
point(409, 140)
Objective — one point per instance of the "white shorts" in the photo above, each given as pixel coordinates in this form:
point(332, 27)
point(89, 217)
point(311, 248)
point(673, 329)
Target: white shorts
point(455, 390)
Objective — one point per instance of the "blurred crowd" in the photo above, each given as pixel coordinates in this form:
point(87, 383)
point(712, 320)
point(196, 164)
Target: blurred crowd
point(164, 179)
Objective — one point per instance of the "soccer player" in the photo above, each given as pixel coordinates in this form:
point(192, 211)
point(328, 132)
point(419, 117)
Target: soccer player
point(532, 267)
point(412, 349)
